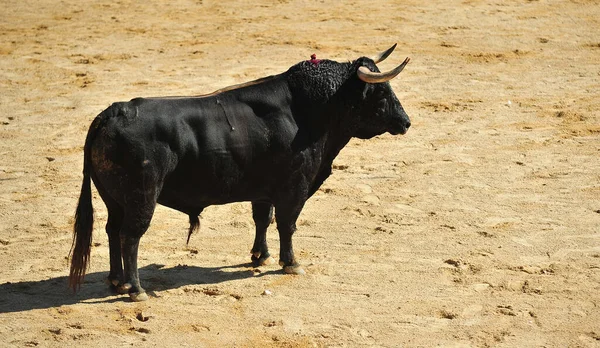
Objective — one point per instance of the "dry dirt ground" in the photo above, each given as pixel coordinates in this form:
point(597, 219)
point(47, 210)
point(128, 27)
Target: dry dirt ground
point(480, 227)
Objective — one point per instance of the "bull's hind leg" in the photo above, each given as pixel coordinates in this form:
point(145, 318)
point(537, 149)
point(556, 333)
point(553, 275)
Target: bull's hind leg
point(113, 228)
point(135, 223)
point(262, 213)
point(129, 247)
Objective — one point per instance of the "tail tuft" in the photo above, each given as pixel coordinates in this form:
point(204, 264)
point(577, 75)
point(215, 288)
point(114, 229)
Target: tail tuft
point(194, 225)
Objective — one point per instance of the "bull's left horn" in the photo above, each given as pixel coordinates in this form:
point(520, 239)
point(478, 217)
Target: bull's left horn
point(369, 76)
point(383, 55)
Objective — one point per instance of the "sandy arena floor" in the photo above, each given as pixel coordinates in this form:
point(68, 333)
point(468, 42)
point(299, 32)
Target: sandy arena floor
point(480, 227)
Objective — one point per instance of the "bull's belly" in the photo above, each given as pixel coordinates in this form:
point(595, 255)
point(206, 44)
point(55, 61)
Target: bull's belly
point(195, 195)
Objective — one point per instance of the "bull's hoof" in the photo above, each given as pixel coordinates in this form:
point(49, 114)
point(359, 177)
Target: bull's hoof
point(123, 288)
point(113, 283)
point(138, 296)
point(262, 260)
point(268, 261)
point(294, 269)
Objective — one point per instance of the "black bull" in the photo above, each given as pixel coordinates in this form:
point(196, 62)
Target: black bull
point(271, 142)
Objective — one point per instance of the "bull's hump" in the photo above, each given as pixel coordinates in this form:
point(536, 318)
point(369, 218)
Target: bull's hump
point(318, 82)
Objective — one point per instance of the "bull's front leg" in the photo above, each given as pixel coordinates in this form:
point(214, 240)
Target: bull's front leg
point(262, 213)
point(286, 216)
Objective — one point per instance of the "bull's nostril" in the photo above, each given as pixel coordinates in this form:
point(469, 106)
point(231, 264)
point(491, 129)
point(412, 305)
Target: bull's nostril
point(408, 125)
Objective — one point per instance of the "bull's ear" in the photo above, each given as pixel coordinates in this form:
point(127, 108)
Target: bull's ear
point(365, 87)
point(366, 90)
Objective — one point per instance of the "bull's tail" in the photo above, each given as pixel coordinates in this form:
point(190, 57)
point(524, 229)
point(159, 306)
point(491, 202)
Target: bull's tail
point(84, 214)
point(82, 234)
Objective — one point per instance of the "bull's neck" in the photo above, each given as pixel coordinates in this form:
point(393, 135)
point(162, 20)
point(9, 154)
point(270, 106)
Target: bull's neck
point(339, 134)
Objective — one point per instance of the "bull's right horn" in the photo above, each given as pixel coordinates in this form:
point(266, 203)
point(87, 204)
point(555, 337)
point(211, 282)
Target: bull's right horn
point(383, 55)
point(369, 76)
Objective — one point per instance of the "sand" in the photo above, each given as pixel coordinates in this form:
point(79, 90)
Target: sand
point(478, 228)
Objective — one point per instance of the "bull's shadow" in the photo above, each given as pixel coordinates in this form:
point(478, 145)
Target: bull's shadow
point(53, 292)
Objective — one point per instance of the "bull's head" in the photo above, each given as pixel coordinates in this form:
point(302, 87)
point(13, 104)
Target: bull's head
point(381, 110)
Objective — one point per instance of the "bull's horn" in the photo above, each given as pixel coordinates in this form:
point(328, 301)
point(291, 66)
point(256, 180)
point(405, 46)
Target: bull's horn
point(374, 77)
point(383, 55)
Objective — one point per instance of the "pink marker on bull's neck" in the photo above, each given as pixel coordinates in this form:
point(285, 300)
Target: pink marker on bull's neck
point(314, 60)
